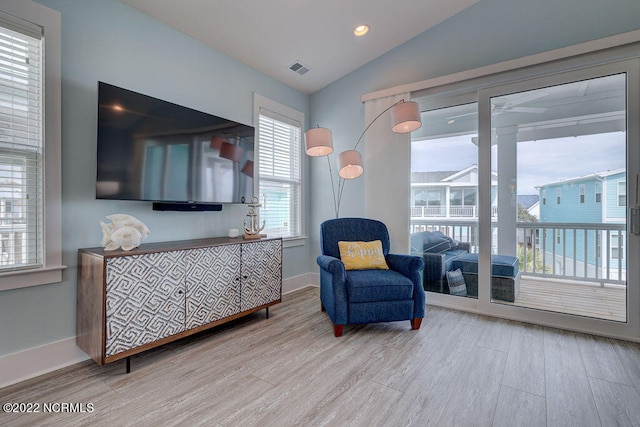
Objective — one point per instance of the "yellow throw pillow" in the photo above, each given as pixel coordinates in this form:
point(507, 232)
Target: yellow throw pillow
point(362, 255)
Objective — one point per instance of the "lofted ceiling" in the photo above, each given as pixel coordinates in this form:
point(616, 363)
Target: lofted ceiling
point(272, 35)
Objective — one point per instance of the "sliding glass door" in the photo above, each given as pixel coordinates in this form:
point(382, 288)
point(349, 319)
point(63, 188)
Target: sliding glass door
point(534, 183)
point(559, 152)
point(444, 195)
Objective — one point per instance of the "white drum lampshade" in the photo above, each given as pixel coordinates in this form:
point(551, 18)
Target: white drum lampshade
point(350, 164)
point(405, 117)
point(319, 142)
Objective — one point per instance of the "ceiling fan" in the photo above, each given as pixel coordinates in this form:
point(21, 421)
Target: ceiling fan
point(510, 104)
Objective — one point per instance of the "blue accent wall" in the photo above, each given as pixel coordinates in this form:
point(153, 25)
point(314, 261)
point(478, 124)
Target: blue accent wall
point(109, 41)
point(106, 40)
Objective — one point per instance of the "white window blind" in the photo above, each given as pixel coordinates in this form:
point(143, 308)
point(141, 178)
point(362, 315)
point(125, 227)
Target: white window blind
point(21, 145)
point(280, 175)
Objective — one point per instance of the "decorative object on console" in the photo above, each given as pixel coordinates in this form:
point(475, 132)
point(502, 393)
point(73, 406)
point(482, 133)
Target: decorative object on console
point(124, 231)
point(254, 229)
point(405, 117)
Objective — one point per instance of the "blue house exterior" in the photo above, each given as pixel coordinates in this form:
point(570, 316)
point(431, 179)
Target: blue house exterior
point(577, 211)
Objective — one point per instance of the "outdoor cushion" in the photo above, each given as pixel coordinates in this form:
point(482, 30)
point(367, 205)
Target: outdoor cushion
point(501, 265)
point(456, 283)
point(378, 285)
point(450, 256)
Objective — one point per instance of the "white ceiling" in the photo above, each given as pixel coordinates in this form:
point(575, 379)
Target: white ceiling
point(270, 35)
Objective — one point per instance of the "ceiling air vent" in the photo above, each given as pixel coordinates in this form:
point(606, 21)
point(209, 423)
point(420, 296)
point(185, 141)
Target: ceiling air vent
point(299, 67)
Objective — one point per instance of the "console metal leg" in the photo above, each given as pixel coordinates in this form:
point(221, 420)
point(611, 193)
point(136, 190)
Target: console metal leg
point(128, 364)
point(267, 312)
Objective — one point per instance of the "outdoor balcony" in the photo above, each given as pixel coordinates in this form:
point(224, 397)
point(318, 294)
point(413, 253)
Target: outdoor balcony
point(568, 268)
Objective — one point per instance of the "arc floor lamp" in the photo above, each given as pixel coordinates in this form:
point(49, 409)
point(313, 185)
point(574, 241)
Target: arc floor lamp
point(405, 117)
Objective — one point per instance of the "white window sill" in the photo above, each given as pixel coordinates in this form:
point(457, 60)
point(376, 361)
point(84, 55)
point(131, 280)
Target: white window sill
point(26, 278)
point(290, 242)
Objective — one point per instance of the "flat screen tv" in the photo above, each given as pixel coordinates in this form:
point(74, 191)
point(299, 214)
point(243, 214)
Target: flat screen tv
point(149, 149)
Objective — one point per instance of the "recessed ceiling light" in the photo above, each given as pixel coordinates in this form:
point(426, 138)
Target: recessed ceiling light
point(361, 30)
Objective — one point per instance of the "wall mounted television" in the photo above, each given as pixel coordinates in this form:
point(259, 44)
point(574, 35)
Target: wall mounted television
point(177, 157)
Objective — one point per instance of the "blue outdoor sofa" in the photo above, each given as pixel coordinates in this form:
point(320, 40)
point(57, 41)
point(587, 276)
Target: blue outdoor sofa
point(438, 251)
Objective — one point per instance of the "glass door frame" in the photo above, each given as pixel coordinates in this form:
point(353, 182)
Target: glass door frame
point(484, 305)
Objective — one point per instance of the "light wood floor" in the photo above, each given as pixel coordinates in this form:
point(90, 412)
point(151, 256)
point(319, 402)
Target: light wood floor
point(603, 302)
point(458, 369)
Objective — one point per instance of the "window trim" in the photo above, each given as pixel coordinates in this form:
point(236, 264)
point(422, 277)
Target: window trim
point(287, 114)
point(617, 246)
point(622, 184)
point(51, 270)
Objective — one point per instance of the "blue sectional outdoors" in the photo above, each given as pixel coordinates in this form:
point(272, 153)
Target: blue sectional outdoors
point(442, 254)
point(505, 275)
point(438, 251)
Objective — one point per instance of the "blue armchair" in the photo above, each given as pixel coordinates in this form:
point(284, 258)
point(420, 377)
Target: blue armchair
point(368, 296)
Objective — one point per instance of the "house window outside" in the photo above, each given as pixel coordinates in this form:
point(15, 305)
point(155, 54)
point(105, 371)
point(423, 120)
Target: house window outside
point(455, 197)
point(280, 174)
point(419, 198)
point(470, 197)
point(622, 193)
point(617, 246)
point(558, 194)
point(434, 197)
point(581, 193)
point(21, 147)
point(598, 192)
point(544, 197)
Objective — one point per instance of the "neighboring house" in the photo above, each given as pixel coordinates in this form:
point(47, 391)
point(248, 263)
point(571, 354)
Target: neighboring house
point(447, 195)
point(12, 219)
point(579, 216)
point(529, 203)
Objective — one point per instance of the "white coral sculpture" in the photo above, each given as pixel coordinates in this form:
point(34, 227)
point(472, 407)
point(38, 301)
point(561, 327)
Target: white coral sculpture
point(123, 231)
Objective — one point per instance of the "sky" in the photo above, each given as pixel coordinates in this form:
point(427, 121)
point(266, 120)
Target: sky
point(539, 162)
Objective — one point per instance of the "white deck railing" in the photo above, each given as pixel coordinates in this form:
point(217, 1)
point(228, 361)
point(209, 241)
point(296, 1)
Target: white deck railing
point(425, 212)
point(581, 252)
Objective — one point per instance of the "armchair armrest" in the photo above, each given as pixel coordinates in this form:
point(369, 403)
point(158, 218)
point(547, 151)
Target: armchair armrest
point(331, 264)
point(405, 264)
point(333, 288)
point(411, 266)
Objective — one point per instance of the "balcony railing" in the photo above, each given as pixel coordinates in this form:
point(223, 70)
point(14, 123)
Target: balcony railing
point(418, 212)
point(581, 252)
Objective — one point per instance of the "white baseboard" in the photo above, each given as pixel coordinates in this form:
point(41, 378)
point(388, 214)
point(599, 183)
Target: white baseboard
point(295, 283)
point(30, 363)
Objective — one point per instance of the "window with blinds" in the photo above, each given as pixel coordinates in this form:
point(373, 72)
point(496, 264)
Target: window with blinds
point(280, 180)
point(21, 146)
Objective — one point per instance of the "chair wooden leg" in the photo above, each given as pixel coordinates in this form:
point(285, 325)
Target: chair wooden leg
point(415, 323)
point(338, 330)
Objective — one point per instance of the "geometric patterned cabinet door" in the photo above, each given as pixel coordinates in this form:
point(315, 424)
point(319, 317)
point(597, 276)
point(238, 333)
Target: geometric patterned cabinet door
point(261, 273)
point(145, 299)
point(212, 284)
point(129, 302)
